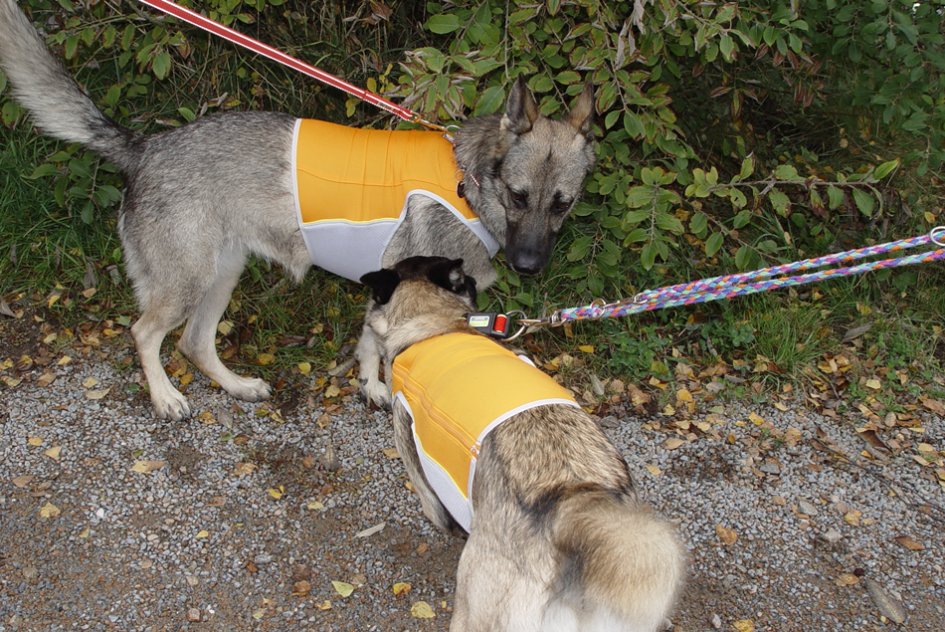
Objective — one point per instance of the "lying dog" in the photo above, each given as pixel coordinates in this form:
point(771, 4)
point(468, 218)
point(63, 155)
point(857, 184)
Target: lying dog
point(558, 539)
point(202, 198)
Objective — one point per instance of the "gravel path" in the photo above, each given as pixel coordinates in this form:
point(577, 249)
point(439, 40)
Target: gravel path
point(243, 517)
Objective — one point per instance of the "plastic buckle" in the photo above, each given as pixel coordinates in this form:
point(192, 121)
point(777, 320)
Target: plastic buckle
point(491, 324)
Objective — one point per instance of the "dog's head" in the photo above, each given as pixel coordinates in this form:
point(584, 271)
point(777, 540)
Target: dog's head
point(418, 298)
point(530, 171)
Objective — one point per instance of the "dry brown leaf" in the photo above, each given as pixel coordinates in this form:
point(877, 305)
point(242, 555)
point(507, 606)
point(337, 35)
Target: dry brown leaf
point(22, 481)
point(909, 542)
point(97, 394)
point(726, 535)
point(244, 468)
point(673, 442)
point(301, 588)
point(846, 579)
point(391, 453)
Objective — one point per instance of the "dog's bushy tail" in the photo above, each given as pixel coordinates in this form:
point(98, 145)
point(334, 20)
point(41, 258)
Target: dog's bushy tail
point(619, 557)
point(58, 106)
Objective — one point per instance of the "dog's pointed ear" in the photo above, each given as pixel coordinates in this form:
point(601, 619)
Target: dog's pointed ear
point(382, 284)
point(582, 114)
point(520, 109)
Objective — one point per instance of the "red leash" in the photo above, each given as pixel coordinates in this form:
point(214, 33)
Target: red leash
point(265, 50)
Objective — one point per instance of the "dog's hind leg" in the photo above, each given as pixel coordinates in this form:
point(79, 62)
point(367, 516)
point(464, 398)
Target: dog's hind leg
point(198, 342)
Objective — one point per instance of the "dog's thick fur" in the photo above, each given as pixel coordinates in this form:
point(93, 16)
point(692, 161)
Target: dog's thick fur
point(559, 540)
point(202, 198)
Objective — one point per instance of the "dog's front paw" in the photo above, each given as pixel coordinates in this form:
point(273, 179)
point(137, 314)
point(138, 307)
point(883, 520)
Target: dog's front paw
point(376, 392)
point(170, 405)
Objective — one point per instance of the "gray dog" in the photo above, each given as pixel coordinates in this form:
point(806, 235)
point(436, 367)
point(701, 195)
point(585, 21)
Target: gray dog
point(558, 540)
point(202, 198)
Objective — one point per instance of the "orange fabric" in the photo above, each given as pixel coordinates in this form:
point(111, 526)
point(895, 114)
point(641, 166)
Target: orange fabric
point(363, 175)
point(457, 385)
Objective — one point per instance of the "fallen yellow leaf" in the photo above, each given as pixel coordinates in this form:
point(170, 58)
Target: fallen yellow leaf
point(146, 467)
point(422, 610)
point(653, 469)
point(744, 625)
point(89, 382)
point(49, 510)
point(874, 384)
point(34, 441)
point(584, 349)
point(203, 533)
point(276, 492)
point(343, 588)
point(264, 359)
point(304, 368)
point(401, 588)
point(53, 452)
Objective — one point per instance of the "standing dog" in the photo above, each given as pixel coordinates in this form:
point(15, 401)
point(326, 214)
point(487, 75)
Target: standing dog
point(202, 198)
point(558, 539)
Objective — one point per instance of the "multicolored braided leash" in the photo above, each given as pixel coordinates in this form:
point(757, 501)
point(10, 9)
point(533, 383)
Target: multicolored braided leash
point(731, 285)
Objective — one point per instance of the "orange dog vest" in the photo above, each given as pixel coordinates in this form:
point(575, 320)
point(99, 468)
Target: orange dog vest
point(457, 388)
point(352, 186)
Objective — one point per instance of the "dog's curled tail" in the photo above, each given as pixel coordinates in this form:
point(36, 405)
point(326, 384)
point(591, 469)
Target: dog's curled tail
point(58, 106)
point(625, 562)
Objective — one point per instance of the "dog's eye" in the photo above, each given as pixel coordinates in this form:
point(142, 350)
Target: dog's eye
point(560, 206)
point(519, 198)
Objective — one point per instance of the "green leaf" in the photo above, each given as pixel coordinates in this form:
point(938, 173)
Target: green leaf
point(864, 201)
point(779, 202)
point(579, 248)
point(699, 223)
point(161, 64)
point(748, 167)
point(713, 244)
point(42, 171)
point(648, 255)
point(786, 172)
point(670, 223)
point(490, 101)
point(885, 169)
point(741, 220)
point(727, 47)
point(834, 197)
point(743, 258)
point(442, 23)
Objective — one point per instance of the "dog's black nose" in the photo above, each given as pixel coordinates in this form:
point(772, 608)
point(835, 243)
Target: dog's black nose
point(527, 263)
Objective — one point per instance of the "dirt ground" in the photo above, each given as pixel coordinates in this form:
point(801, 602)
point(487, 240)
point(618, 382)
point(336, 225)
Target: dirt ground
point(264, 516)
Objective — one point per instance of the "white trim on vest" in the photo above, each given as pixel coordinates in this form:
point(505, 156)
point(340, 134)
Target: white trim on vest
point(439, 479)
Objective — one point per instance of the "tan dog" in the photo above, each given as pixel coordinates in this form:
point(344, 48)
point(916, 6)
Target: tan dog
point(559, 541)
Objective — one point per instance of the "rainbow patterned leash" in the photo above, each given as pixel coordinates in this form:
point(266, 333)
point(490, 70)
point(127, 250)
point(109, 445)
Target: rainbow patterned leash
point(729, 286)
